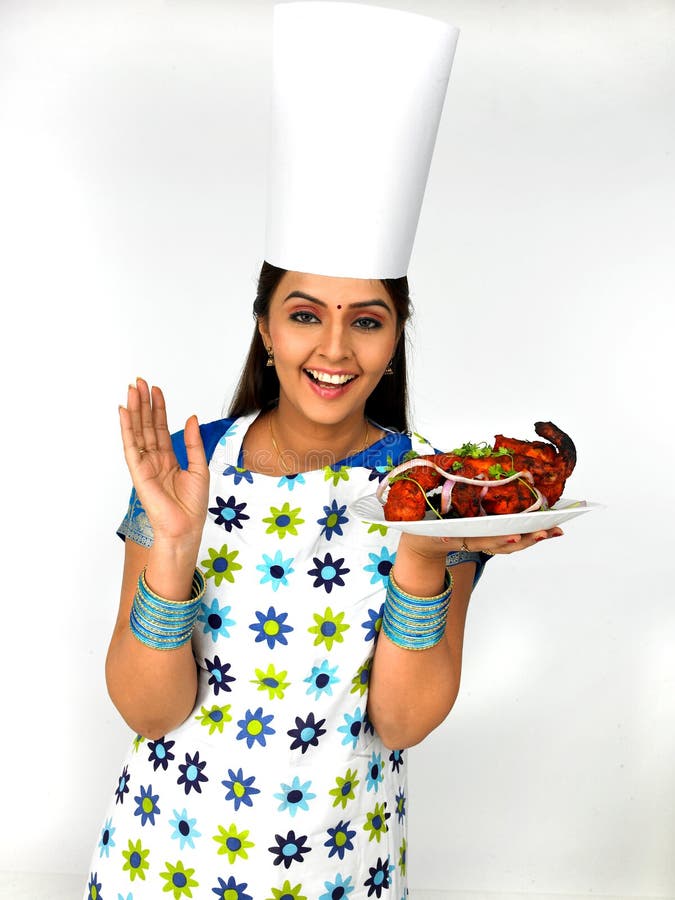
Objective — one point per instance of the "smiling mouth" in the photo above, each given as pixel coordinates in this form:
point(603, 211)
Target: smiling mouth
point(327, 380)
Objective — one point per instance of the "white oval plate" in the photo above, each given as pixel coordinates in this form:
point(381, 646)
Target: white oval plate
point(369, 509)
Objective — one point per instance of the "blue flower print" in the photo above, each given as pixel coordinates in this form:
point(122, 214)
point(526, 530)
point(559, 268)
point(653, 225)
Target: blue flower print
point(230, 890)
point(219, 678)
point(228, 433)
point(351, 728)
point(333, 520)
point(379, 879)
point(321, 680)
point(238, 474)
point(146, 805)
point(255, 727)
point(380, 566)
point(275, 570)
point(378, 473)
point(328, 572)
point(373, 623)
point(229, 513)
point(339, 839)
point(185, 830)
point(215, 619)
point(396, 760)
point(295, 796)
point(270, 627)
point(122, 786)
point(94, 887)
point(375, 774)
point(192, 773)
point(290, 481)
point(106, 842)
point(160, 753)
point(240, 789)
point(306, 733)
point(400, 805)
point(338, 889)
point(289, 849)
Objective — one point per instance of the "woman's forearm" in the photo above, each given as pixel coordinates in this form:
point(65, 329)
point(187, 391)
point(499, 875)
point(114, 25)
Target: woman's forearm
point(153, 690)
point(412, 691)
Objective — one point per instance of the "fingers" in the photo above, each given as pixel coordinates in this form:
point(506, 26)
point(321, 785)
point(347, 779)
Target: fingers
point(159, 421)
point(194, 446)
point(130, 439)
point(143, 422)
point(146, 415)
point(512, 542)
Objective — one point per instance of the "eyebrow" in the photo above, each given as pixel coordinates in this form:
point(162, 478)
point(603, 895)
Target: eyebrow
point(361, 304)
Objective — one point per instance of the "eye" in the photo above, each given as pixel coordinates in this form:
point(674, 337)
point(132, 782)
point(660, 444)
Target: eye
point(368, 324)
point(303, 316)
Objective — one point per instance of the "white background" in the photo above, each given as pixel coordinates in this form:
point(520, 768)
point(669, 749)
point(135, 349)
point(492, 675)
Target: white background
point(132, 203)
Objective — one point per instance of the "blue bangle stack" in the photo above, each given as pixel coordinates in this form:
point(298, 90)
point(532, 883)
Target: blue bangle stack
point(165, 624)
point(415, 623)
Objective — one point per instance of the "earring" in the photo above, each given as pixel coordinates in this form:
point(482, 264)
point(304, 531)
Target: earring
point(389, 370)
point(270, 358)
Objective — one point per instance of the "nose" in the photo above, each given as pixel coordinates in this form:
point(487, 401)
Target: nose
point(335, 341)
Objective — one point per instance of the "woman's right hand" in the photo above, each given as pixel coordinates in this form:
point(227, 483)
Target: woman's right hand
point(175, 500)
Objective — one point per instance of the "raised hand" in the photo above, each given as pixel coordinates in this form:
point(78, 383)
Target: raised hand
point(174, 499)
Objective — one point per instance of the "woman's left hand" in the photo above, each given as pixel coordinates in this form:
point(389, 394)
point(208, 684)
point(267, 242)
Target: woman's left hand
point(433, 547)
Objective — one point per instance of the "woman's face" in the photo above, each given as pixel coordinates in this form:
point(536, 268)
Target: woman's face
point(332, 339)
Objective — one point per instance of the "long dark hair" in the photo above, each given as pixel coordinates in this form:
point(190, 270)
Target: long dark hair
point(258, 386)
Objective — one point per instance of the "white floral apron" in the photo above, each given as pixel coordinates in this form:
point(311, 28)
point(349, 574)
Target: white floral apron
point(276, 787)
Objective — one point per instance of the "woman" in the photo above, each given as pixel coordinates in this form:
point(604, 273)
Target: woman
point(270, 761)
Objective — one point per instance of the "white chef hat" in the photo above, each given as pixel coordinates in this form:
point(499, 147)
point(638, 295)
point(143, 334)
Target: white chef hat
point(356, 102)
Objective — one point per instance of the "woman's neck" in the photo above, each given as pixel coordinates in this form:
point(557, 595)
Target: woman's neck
point(284, 441)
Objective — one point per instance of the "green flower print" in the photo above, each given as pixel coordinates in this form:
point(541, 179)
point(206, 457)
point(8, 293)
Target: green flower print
point(336, 475)
point(220, 565)
point(287, 892)
point(179, 880)
point(360, 680)
point(233, 843)
point(283, 521)
point(214, 718)
point(376, 822)
point(376, 528)
point(136, 860)
point(328, 628)
point(271, 681)
point(345, 788)
point(401, 857)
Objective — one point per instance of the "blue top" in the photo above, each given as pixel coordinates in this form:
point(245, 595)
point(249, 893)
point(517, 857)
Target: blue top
point(381, 455)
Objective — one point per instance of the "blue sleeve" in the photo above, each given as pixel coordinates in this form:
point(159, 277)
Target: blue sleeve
point(461, 556)
point(135, 525)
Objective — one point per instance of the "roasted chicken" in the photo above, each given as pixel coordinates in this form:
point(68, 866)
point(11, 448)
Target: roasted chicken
point(475, 480)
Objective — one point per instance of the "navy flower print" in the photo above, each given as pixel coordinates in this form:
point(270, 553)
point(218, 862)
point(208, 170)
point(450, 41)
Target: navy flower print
point(122, 786)
point(289, 849)
point(328, 572)
point(160, 753)
point(306, 733)
point(229, 513)
point(192, 774)
point(219, 679)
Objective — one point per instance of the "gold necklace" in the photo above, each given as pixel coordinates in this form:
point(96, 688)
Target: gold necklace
point(283, 465)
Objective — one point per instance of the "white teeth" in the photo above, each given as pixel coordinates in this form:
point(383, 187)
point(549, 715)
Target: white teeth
point(330, 379)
